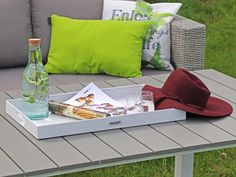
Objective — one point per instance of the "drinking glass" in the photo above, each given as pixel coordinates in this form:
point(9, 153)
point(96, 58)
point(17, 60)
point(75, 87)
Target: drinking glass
point(133, 104)
point(147, 101)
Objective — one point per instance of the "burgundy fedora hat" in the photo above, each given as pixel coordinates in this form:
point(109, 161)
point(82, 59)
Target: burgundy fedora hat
point(183, 90)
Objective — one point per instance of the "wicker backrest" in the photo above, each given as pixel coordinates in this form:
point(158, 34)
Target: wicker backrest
point(188, 43)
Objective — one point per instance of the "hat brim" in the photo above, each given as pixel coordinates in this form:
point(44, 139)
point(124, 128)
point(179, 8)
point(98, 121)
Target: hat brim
point(215, 107)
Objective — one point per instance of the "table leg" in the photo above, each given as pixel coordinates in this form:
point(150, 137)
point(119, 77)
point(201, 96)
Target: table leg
point(184, 165)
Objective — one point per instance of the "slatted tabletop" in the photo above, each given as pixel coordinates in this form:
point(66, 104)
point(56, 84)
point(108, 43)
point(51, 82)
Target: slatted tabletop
point(23, 155)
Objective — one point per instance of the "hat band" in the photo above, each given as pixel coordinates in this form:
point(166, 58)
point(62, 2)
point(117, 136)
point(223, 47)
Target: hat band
point(180, 101)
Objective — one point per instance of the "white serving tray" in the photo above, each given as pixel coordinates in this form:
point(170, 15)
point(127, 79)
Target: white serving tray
point(56, 125)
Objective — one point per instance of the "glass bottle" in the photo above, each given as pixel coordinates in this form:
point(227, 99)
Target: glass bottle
point(35, 84)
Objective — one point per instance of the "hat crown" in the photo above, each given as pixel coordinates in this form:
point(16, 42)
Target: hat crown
point(186, 88)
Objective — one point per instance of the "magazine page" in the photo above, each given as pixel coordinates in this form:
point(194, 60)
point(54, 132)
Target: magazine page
point(93, 98)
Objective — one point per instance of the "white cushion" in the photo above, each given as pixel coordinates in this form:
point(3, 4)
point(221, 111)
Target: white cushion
point(156, 48)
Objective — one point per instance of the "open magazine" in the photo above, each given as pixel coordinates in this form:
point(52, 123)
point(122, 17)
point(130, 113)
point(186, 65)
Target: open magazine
point(91, 102)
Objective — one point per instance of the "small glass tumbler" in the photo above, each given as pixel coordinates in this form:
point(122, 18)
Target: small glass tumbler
point(147, 101)
point(134, 104)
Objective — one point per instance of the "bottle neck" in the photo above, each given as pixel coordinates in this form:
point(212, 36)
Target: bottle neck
point(35, 54)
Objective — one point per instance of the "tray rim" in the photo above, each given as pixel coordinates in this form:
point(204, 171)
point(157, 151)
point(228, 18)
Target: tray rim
point(34, 129)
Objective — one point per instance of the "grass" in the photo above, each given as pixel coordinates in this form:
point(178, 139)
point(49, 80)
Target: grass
point(220, 19)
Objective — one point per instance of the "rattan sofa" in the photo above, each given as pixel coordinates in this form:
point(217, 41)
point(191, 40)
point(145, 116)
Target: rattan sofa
point(20, 23)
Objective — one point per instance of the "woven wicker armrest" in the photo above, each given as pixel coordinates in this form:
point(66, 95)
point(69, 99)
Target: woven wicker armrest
point(187, 43)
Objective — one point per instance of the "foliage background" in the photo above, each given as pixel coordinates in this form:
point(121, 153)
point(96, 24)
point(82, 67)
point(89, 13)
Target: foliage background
point(220, 19)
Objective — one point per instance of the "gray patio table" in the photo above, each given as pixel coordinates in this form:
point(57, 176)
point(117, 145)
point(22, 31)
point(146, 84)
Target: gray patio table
point(23, 155)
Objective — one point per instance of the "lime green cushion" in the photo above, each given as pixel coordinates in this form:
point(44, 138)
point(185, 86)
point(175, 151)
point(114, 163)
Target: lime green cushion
point(96, 46)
